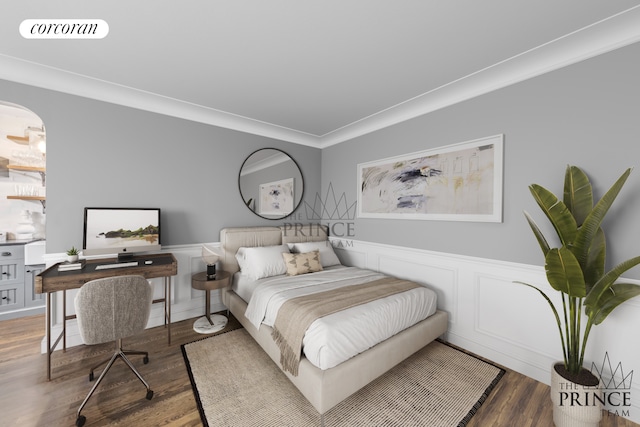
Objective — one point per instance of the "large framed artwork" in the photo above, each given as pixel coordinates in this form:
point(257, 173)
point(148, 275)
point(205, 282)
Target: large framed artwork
point(459, 182)
point(276, 198)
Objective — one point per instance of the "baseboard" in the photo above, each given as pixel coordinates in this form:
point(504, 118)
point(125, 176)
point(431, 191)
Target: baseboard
point(23, 312)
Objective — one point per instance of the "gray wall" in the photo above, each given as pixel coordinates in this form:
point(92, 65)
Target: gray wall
point(101, 154)
point(586, 115)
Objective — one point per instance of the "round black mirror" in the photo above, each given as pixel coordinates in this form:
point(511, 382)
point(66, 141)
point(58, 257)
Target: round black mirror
point(271, 183)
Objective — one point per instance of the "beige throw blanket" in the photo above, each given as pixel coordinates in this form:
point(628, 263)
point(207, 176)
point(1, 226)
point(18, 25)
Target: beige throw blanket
point(297, 314)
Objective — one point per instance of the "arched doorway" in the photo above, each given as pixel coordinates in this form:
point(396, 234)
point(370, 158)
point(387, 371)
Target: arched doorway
point(22, 173)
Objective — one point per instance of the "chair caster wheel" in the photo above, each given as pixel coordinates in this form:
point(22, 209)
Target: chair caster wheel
point(91, 376)
point(149, 394)
point(80, 420)
point(145, 360)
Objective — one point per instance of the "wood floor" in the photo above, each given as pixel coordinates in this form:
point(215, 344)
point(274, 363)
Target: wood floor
point(28, 399)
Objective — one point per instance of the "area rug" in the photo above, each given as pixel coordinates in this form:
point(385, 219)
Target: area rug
point(236, 384)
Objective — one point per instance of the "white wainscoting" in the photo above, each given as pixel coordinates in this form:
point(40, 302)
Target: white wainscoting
point(490, 315)
point(186, 302)
point(506, 322)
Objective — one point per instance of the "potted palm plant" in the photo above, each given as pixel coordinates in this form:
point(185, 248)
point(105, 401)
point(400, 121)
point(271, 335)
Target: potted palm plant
point(577, 270)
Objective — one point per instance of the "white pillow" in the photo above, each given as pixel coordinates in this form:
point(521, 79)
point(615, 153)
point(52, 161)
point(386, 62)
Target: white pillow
point(327, 256)
point(263, 261)
point(240, 258)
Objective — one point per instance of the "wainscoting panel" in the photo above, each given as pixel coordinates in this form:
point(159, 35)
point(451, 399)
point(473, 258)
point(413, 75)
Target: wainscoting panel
point(353, 258)
point(434, 275)
point(507, 322)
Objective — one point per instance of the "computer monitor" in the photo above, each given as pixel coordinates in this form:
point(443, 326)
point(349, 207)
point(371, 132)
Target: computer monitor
point(122, 231)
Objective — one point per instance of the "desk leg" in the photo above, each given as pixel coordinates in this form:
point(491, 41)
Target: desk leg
point(63, 334)
point(167, 306)
point(64, 320)
point(48, 329)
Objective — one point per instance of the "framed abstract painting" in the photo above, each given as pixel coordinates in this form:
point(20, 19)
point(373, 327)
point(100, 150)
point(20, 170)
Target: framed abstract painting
point(459, 182)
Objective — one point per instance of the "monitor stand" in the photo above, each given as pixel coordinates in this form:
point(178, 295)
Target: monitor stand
point(125, 256)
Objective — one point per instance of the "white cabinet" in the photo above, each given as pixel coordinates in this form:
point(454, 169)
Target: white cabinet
point(17, 296)
point(11, 278)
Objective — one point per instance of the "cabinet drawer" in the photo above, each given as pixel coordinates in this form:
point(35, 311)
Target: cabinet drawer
point(11, 264)
point(11, 297)
point(11, 271)
point(10, 253)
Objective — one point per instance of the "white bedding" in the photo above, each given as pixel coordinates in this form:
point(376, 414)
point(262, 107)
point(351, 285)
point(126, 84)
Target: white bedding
point(333, 339)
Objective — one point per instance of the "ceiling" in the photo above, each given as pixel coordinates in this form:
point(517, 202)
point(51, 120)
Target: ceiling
point(310, 72)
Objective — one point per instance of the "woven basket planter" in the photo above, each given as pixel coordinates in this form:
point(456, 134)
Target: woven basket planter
point(574, 405)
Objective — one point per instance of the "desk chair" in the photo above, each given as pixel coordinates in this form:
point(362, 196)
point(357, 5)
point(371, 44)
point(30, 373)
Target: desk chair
point(111, 309)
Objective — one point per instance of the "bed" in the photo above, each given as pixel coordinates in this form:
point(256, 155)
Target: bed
point(324, 387)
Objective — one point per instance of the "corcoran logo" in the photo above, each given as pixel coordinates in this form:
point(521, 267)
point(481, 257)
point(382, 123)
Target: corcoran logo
point(64, 29)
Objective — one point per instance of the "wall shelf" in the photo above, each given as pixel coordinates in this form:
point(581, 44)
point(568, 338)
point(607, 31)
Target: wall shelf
point(41, 199)
point(24, 140)
point(22, 168)
point(26, 168)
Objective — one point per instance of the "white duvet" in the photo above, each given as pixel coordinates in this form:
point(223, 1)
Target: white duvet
point(333, 339)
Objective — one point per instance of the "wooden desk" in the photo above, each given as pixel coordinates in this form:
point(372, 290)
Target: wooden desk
point(51, 280)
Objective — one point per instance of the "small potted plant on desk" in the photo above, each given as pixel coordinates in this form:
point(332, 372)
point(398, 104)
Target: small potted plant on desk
point(576, 269)
point(72, 254)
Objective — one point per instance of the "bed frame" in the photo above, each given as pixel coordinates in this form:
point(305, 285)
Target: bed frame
point(323, 389)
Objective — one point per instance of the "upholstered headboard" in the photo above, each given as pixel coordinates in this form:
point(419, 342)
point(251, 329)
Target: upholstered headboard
point(236, 237)
point(299, 233)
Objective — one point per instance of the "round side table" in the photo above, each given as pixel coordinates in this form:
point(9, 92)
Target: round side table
point(209, 324)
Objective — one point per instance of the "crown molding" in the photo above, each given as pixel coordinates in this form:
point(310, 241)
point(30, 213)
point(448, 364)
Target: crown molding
point(601, 37)
point(34, 74)
point(604, 36)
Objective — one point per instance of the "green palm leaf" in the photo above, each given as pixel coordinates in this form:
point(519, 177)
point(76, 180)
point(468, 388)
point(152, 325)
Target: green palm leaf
point(595, 266)
point(578, 194)
point(564, 273)
point(557, 212)
point(601, 286)
point(542, 241)
point(592, 223)
point(613, 297)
